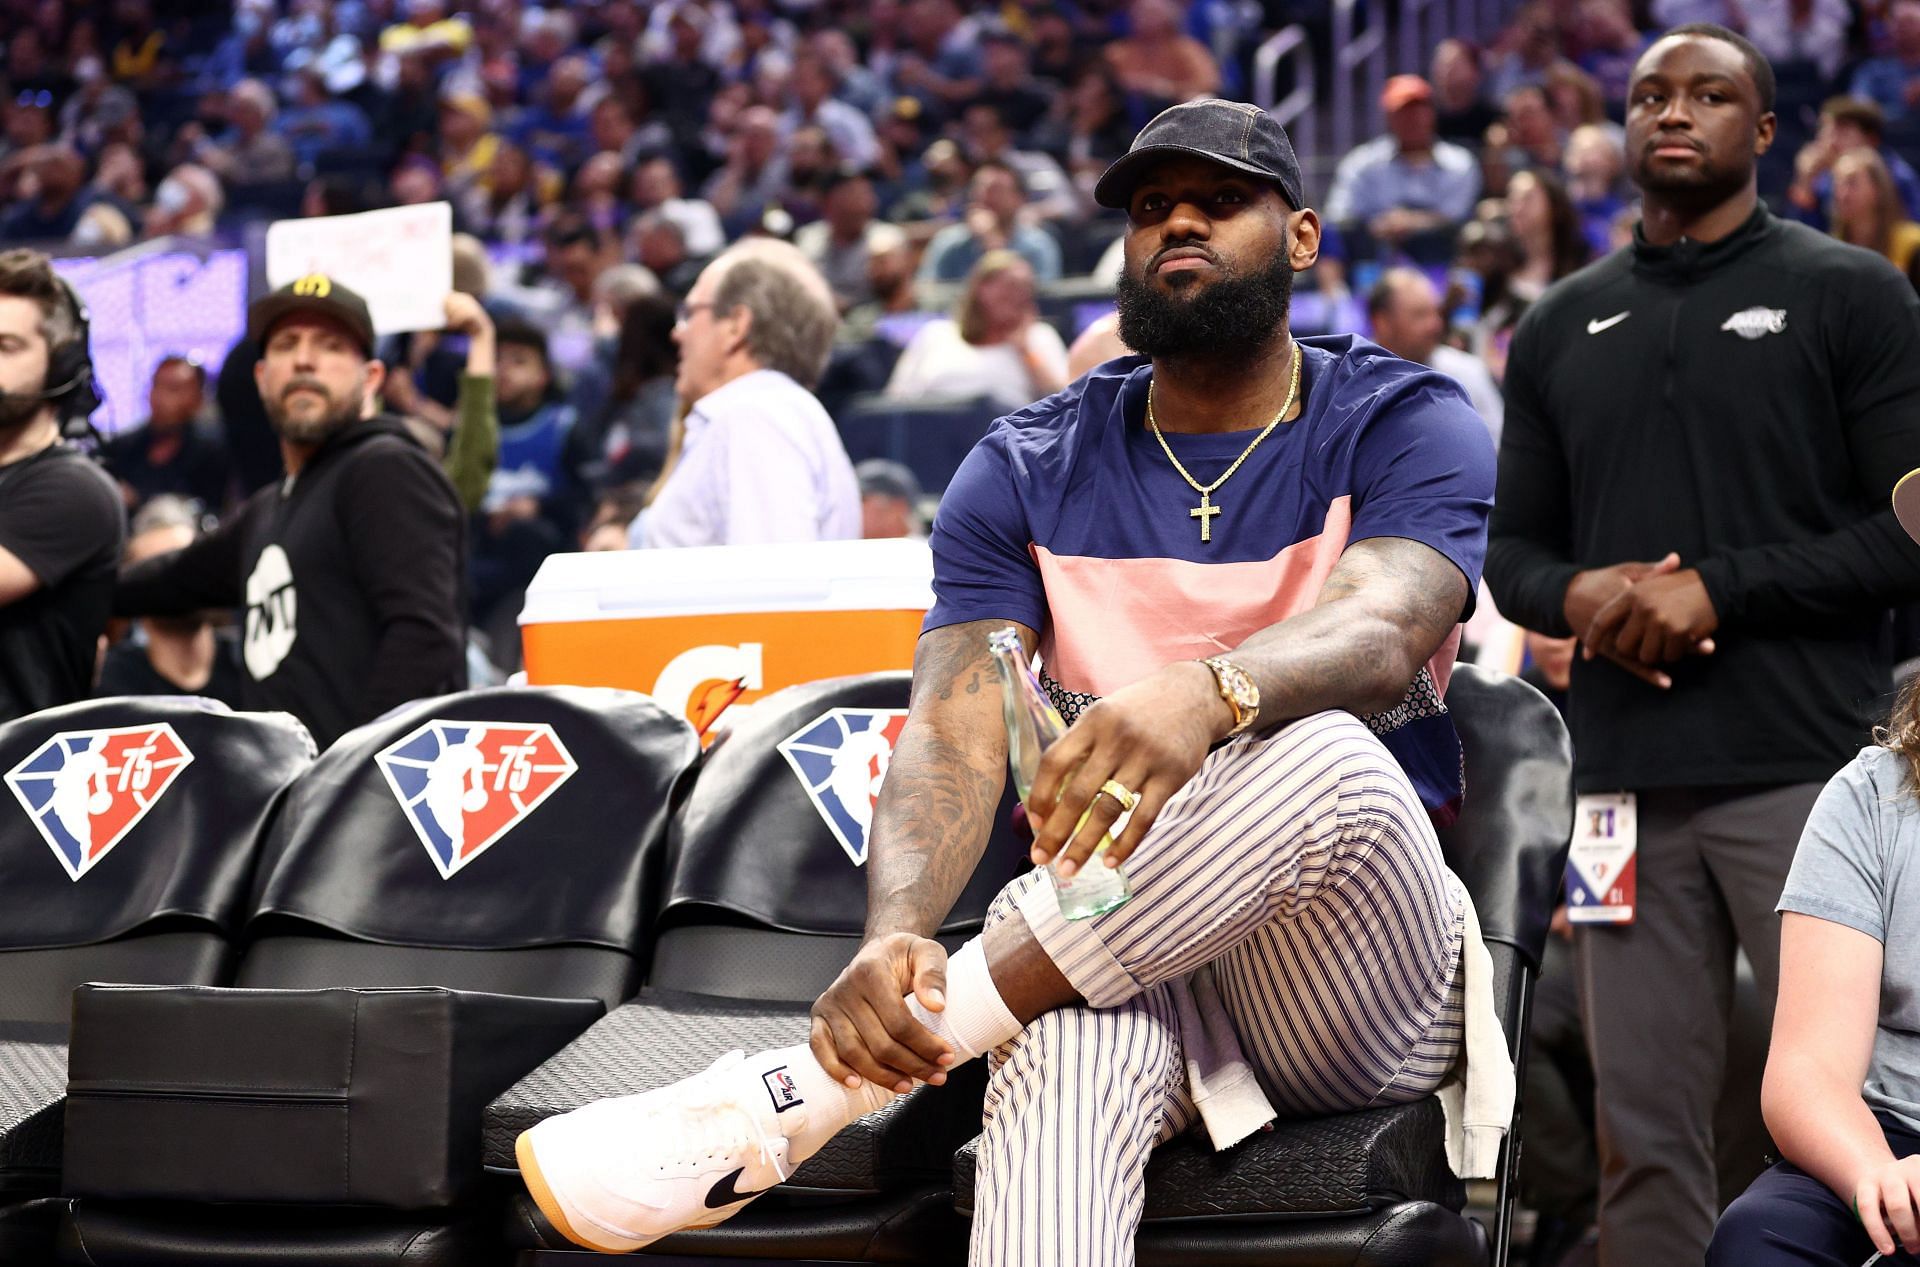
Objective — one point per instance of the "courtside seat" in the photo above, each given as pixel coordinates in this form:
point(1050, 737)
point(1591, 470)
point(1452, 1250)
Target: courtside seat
point(1374, 1187)
point(765, 900)
point(499, 842)
point(128, 833)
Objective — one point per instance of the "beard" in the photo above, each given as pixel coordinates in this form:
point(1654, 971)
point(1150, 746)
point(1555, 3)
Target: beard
point(17, 411)
point(312, 429)
point(1222, 321)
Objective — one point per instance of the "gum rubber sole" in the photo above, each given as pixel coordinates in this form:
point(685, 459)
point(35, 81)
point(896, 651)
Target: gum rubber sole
point(543, 1196)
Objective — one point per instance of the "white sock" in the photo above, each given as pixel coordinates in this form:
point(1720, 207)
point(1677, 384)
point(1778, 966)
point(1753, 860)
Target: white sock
point(976, 1019)
point(793, 1077)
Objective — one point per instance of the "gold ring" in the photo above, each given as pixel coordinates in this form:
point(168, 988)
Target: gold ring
point(1127, 799)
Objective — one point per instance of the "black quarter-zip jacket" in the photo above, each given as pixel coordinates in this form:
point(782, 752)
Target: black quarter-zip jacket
point(352, 578)
point(1748, 403)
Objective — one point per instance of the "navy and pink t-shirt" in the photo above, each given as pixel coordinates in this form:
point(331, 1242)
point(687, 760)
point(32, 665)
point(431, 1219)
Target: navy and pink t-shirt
point(1068, 518)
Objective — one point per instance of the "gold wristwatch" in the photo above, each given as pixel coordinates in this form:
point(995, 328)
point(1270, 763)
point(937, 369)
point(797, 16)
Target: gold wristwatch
point(1237, 688)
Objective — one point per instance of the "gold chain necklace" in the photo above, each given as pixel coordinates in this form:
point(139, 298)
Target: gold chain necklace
point(1206, 510)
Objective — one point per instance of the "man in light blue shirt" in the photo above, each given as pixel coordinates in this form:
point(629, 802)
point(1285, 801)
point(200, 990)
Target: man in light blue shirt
point(757, 460)
point(1408, 181)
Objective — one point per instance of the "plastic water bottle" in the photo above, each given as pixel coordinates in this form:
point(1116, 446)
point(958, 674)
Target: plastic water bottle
point(1033, 726)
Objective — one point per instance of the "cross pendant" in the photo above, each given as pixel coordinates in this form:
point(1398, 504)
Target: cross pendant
point(1204, 512)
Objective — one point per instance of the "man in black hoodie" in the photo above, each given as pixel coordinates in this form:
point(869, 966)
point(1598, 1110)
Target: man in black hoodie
point(352, 568)
point(1701, 434)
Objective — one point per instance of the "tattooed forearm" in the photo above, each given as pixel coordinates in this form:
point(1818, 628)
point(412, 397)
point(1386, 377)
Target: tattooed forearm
point(1385, 609)
point(943, 784)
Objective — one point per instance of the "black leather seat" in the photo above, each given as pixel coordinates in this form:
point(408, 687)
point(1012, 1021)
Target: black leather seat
point(128, 834)
point(1374, 1187)
point(505, 841)
point(764, 904)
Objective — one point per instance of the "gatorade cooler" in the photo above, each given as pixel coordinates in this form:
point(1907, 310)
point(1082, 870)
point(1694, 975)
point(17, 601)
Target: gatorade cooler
point(704, 629)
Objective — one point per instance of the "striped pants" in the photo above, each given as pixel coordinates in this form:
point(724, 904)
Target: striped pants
point(1301, 865)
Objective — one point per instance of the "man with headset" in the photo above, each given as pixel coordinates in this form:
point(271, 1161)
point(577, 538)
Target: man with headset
point(61, 522)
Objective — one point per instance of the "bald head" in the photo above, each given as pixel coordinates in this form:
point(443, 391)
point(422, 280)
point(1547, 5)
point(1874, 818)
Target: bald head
point(1404, 309)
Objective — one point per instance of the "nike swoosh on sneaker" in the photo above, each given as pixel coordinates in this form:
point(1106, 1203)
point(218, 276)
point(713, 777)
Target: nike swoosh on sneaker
point(1596, 326)
point(724, 1194)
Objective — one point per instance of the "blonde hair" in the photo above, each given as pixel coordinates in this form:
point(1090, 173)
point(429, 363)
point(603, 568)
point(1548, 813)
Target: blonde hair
point(966, 313)
point(1887, 208)
point(1901, 734)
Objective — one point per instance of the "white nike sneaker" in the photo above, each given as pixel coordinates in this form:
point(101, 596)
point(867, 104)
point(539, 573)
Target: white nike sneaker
point(622, 1173)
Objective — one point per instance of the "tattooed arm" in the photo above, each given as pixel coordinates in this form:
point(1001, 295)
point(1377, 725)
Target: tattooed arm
point(1385, 609)
point(943, 784)
point(929, 830)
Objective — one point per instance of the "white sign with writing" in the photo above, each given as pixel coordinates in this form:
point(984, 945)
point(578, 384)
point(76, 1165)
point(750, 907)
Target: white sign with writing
point(400, 260)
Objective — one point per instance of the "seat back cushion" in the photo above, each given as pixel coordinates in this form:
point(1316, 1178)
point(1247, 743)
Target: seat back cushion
point(491, 819)
point(775, 829)
point(1509, 844)
point(121, 811)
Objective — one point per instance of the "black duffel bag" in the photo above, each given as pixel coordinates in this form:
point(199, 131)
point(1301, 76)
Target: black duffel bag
point(343, 1096)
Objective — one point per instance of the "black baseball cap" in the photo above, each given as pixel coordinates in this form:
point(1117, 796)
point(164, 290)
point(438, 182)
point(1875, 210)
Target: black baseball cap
point(1235, 134)
point(315, 293)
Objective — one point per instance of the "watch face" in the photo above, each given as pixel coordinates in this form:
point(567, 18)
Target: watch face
point(1238, 685)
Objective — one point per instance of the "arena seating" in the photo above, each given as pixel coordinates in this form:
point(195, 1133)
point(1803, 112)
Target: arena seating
point(764, 902)
point(736, 884)
point(502, 841)
point(931, 437)
point(127, 858)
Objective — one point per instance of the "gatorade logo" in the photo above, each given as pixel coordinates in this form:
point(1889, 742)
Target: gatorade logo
point(314, 286)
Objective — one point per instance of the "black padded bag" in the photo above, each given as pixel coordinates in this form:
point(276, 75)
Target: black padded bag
point(356, 1097)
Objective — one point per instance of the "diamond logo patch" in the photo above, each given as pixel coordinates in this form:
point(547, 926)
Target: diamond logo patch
point(841, 757)
point(86, 789)
point(466, 784)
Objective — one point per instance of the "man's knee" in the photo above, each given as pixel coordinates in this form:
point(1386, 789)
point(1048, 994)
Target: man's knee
point(1786, 1216)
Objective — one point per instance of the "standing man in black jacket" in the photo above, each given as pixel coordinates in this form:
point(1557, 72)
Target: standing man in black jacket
point(351, 568)
point(1702, 431)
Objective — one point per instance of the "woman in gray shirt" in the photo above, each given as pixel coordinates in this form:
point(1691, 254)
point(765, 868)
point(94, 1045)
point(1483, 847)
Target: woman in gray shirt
point(1842, 1091)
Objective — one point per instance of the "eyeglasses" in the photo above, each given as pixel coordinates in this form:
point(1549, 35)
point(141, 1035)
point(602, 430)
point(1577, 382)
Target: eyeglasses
point(684, 313)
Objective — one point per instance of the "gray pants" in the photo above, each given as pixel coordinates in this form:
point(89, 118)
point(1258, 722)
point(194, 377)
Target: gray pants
point(1656, 995)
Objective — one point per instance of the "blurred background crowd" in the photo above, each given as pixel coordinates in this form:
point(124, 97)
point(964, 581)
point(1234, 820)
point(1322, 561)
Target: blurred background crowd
point(935, 160)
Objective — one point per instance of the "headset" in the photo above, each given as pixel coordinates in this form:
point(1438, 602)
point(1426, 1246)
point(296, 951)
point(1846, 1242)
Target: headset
point(70, 375)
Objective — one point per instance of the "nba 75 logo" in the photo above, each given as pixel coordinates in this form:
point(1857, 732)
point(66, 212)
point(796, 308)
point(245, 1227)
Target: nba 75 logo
point(841, 757)
point(465, 784)
point(85, 789)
